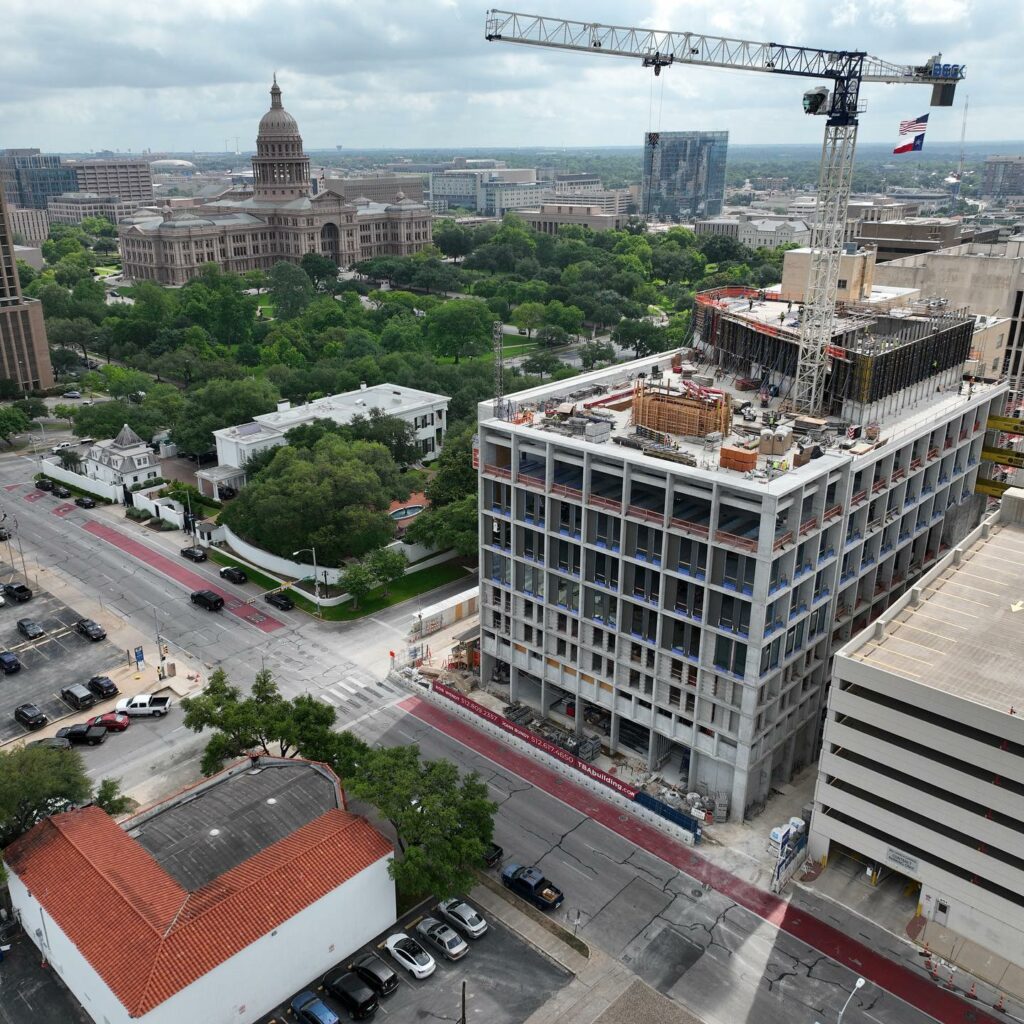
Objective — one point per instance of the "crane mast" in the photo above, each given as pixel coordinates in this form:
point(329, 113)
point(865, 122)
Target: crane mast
point(844, 69)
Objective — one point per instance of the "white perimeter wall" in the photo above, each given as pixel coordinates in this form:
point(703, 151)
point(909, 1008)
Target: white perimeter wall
point(253, 981)
point(83, 483)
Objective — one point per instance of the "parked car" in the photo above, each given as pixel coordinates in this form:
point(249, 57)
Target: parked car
point(77, 697)
point(90, 735)
point(102, 686)
point(408, 953)
point(530, 883)
point(60, 491)
point(233, 574)
point(72, 394)
point(5, 534)
point(112, 721)
point(91, 630)
point(18, 591)
point(371, 969)
point(309, 1008)
point(83, 502)
point(44, 484)
point(226, 491)
point(194, 554)
point(352, 993)
point(463, 916)
point(144, 704)
point(9, 663)
point(493, 855)
point(63, 446)
point(54, 742)
point(280, 601)
point(30, 629)
point(207, 599)
point(445, 939)
point(30, 716)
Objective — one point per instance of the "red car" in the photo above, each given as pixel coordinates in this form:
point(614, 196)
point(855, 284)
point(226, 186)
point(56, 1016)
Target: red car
point(111, 721)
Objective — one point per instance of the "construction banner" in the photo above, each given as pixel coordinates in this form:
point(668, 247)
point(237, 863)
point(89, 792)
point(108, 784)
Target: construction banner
point(1003, 457)
point(1007, 424)
point(993, 488)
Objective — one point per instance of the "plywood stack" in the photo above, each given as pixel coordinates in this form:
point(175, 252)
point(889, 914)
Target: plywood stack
point(680, 415)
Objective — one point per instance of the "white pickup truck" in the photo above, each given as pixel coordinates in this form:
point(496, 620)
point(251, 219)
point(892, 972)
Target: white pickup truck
point(145, 704)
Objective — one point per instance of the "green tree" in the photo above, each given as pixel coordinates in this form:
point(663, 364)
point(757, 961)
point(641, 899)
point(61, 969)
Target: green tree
point(291, 290)
point(543, 364)
point(593, 352)
point(453, 239)
point(70, 460)
point(443, 823)
point(33, 408)
point(357, 579)
point(640, 335)
point(255, 279)
point(220, 403)
point(26, 273)
point(36, 782)
point(396, 434)
point(454, 476)
point(64, 359)
point(387, 565)
point(110, 798)
point(262, 721)
point(529, 315)
point(321, 270)
point(12, 421)
point(460, 328)
point(455, 525)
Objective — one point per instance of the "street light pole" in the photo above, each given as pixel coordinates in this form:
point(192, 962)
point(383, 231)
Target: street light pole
point(316, 578)
point(857, 986)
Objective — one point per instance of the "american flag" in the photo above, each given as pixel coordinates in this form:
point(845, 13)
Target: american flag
point(917, 125)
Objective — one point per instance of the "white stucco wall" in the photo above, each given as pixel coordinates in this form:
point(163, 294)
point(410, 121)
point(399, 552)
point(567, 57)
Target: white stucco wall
point(52, 468)
point(253, 981)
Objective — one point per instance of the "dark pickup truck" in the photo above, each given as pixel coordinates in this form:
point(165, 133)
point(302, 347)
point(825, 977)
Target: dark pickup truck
point(531, 884)
point(84, 733)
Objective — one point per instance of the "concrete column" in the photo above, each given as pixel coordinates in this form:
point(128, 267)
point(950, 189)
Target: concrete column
point(613, 733)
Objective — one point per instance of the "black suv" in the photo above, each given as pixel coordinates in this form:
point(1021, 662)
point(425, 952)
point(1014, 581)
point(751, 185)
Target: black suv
point(61, 492)
point(30, 629)
point(84, 502)
point(90, 629)
point(30, 716)
point(280, 601)
point(194, 554)
point(18, 591)
point(9, 663)
point(233, 574)
point(43, 484)
point(207, 599)
point(352, 992)
point(102, 686)
point(371, 969)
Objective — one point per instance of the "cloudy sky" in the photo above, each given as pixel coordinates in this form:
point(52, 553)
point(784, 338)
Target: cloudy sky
point(185, 75)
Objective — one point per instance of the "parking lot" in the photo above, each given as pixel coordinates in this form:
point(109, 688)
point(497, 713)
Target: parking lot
point(506, 980)
point(56, 660)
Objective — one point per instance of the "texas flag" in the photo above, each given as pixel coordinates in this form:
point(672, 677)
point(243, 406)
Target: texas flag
point(911, 147)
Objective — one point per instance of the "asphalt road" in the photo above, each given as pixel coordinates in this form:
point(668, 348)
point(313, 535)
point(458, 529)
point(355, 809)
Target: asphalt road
point(696, 945)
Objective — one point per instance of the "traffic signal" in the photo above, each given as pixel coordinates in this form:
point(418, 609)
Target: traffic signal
point(165, 650)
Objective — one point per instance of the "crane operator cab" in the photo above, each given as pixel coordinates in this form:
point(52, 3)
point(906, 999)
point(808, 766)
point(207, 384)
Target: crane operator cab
point(817, 101)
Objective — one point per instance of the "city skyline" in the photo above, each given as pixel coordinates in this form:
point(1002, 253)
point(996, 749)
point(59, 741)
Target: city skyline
point(173, 80)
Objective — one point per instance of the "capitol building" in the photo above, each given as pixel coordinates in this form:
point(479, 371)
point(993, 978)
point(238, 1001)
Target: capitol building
point(278, 219)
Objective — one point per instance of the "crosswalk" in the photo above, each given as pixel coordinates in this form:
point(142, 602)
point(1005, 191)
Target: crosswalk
point(355, 694)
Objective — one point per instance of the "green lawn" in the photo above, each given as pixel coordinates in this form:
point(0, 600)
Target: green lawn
point(412, 585)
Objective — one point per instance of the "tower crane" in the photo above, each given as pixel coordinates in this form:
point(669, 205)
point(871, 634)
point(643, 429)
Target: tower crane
point(840, 104)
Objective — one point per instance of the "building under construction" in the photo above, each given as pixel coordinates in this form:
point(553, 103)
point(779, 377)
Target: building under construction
point(881, 360)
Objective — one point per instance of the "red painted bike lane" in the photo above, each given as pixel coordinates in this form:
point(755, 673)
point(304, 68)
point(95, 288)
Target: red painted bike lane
point(917, 990)
point(178, 572)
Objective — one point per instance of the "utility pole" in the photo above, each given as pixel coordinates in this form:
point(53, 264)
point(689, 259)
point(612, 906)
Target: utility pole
point(462, 1018)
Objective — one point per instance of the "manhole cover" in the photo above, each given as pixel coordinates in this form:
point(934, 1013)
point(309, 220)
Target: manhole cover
point(697, 892)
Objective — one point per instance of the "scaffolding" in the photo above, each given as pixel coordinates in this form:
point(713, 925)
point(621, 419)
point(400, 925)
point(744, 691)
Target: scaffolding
point(694, 412)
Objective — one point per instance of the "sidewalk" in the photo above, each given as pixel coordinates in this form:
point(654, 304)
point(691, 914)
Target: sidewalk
point(603, 990)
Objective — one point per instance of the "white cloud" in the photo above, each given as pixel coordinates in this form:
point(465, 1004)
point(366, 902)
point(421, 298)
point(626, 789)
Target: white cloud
point(418, 73)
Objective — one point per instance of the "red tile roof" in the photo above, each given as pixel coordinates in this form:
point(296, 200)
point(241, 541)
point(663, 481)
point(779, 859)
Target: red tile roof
point(148, 937)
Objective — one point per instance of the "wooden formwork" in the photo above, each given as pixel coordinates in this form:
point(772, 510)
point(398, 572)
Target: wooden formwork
point(678, 414)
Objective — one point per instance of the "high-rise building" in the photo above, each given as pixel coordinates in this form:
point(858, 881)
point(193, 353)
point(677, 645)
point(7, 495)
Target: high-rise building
point(30, 224)
point(684, 175)
point(130, 180)
point(676, 580)
point(24, 353)
point(74, 207)
point(1003, 177)
point(28, 177)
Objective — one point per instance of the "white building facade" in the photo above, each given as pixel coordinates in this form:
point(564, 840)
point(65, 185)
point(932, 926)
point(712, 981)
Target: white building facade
point(123, 461)
point(922, 767)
